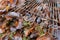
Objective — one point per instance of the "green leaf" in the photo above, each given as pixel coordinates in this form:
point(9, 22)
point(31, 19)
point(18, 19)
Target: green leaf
point(24, 38)
point(14, 32)
point(11, 35)
point(1, 35)
point(25, 23)
point(39, 29)
point(41, 33)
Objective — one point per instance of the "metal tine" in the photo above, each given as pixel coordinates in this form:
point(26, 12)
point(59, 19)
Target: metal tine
point(29, 5)
point(32, 6)
point(57, 20)
point(25, 7)
point(53, 21)
point(53, 13)
point(58, 15)
point(49, 9)
point(52, 8)
point(31, 9)
point(20, 7)
point(14, 8)
point(35, 5)
point(56, 28)
point(28, 8)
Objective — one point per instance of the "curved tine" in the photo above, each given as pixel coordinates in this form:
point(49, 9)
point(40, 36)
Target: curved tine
point(30, 6)
point(23, 7)
point(15, 8)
